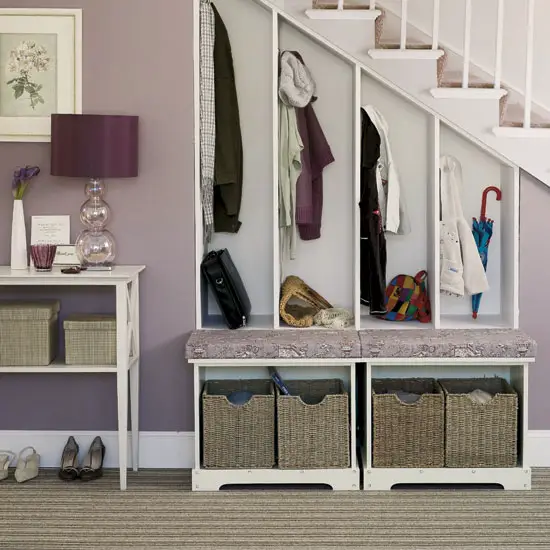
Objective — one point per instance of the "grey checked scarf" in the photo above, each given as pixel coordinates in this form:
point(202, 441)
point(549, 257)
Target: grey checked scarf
point(207, 115)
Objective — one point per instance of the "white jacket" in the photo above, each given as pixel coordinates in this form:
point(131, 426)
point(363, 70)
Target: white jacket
point(390, 197)
point(461, 268)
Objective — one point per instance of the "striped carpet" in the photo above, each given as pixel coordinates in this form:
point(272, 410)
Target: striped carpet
point(160, 511)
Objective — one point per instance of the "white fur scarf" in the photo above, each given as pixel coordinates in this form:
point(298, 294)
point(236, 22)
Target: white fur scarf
point(296, 84)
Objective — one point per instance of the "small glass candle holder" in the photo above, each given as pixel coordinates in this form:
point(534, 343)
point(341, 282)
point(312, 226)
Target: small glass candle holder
point(42, 256)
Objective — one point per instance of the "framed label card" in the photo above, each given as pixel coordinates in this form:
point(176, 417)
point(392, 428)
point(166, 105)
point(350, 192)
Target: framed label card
point(51, 230)
point(40, 70)
point(66, 255)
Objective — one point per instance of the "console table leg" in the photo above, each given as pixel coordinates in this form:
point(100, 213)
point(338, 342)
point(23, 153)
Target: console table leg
point(122, 379)
point(134, 405)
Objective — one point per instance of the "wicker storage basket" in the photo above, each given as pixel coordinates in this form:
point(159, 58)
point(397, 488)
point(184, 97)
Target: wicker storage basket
point(408, 435)
point(476, 435)
point(313, 435)
point(90, 339)
point(238, 436)
point(28, 333)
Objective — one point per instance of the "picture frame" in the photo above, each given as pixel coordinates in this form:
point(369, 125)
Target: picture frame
point(40, 70)
point(65, 255)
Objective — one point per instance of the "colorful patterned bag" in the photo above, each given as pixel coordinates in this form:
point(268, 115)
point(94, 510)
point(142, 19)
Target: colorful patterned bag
point(407, 299)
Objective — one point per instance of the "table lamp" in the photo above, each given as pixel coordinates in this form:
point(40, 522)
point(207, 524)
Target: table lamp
point(95, 147)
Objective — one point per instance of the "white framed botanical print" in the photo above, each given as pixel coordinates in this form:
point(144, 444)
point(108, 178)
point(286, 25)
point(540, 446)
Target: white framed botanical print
point(40, 70)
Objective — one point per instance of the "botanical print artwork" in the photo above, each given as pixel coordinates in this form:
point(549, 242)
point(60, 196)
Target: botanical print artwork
point(26, 58)
point(28, 74)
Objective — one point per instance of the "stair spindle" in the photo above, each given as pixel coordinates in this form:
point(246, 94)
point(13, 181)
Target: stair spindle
point(404, 14)
point(372, 4)
point(500, 36)
point(529, 63)
point(340, 4)
point(467, 42)
point(435, 30)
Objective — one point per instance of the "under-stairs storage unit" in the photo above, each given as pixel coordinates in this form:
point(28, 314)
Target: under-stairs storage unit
point(347, 78)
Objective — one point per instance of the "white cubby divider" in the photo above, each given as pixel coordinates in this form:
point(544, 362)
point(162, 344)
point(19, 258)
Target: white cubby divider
point(275, 164)
point(331, 264)
point(357, 131)
point(433, 205)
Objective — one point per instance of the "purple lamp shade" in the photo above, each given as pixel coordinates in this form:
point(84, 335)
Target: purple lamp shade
point(94, 146)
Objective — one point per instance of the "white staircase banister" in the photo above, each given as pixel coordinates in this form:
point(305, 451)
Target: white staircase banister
point(500, 36)
point(467, 42)
point(404, 22)
point(340, 4)
point(529, 63)
point(435, 29)
point(372, 4)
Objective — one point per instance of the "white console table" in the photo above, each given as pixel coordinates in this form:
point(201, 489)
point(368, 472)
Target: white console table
point(125, 279)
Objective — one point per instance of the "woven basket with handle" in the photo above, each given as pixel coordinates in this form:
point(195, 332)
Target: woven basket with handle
point(300, 314)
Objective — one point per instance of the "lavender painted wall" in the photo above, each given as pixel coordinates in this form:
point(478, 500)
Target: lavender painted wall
point(138, 61)
point(534, 299)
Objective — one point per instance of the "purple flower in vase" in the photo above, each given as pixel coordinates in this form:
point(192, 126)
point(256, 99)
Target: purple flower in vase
point(21, 179)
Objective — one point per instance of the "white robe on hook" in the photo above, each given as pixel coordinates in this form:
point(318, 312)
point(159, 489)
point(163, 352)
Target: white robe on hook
point(461, 269)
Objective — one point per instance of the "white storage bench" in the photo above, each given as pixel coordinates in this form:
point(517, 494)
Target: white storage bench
point(297, 355)
point(356, 358)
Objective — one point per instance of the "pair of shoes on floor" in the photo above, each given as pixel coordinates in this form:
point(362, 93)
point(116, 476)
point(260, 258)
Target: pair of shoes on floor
point(26, 467)
point(92, 465)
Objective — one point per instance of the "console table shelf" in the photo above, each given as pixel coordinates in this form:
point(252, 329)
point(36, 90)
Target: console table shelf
point(125, 279)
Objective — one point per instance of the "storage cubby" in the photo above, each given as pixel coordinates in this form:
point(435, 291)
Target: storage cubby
point(252, 247)
point(326, 264)
point(411, 135)
point(480, 169)
point(211, 478)
point(513, 371)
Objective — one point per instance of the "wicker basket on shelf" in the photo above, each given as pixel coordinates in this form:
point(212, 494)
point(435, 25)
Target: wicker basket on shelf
point(90, 339)
point(28, 333)
point(407, 435)
point(313, 425)
point(238, 436)
point(480, 435)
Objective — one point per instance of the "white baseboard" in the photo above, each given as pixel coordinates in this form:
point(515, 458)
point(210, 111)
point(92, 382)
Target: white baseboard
point(157, 449)
point(176, 449)
point(538, 448)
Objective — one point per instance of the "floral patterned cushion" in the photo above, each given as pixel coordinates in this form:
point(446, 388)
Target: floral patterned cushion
point(447, 343)
point(273, 344)
point(343, 344)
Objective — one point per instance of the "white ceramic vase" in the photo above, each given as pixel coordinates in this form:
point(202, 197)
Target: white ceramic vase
point(19, 258)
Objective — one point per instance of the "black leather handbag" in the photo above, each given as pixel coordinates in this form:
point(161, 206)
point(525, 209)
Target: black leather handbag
point(226, 283)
